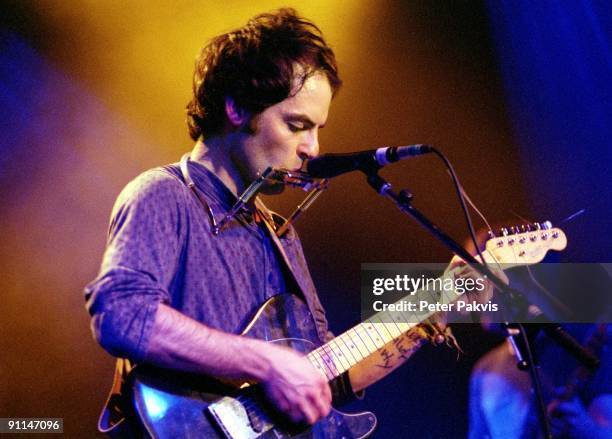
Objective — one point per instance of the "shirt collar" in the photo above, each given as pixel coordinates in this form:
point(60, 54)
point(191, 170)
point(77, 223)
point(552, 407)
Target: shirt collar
point(211, 185)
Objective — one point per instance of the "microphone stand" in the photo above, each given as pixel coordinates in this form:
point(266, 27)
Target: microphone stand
point(403, 200)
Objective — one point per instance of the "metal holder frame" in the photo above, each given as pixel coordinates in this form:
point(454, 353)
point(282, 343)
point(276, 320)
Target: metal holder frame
point(297, 179)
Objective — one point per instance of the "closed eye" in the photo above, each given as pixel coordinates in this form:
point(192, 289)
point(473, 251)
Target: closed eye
point(295, 127)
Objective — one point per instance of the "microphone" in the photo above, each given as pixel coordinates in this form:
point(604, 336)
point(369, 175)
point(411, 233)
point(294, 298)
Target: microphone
point(332, 165)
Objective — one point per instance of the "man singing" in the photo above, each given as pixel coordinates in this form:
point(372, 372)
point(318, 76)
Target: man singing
point(173, 294)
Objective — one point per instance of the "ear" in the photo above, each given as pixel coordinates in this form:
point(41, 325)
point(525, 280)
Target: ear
point(235, 115)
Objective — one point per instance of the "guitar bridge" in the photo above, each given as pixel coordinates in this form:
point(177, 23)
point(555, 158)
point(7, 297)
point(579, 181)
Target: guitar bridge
point(238, 421)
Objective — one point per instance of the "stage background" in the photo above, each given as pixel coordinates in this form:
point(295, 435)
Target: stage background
point(92, 93)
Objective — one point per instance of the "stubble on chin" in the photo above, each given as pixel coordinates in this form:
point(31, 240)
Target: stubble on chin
point(250, 172)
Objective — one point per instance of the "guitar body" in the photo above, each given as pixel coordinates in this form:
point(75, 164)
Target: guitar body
point(175, 405)
point(179, 405)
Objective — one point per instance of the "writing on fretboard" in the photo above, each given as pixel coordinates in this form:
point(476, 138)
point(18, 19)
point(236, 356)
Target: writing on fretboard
point(343, 352)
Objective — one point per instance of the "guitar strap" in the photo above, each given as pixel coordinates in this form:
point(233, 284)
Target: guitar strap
point(114, 421)
point(304, 285)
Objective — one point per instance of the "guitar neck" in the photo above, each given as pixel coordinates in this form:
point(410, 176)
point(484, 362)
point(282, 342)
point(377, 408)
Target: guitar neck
point(354, 345)
point(349, 348)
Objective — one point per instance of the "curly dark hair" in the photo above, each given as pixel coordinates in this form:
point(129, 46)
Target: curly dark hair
point(255, 66)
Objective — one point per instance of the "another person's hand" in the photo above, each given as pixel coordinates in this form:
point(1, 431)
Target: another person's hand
point(570, 419)
point(295, 387)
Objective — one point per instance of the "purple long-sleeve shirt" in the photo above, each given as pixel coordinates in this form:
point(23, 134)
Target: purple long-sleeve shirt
point(161, 249)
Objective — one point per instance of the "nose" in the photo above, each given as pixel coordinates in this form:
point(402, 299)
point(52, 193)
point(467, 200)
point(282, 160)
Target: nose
point(309, 144)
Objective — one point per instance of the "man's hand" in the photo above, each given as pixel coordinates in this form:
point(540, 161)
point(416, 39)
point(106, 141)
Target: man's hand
point(295, 387)
point(289, 380)
point(462, 270)
point(570, 419)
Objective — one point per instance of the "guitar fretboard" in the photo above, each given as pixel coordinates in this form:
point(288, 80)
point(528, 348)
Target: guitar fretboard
point(349, 348)
point(354, 345)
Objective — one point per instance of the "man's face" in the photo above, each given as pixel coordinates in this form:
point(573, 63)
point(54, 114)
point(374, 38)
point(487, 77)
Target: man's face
point(285, 133)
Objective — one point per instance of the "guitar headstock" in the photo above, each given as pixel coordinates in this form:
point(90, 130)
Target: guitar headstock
point(524, 245)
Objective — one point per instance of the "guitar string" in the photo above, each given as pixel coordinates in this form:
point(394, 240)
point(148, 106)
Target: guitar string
point(396, 324)
point(367, 350)
point(345, 351)
point(357, 330)
point(251, 405)
point(380, 336)
point(349, 348)
point(386, 326)
point(337, 359)
point(337, 352)
point(319, 365)
point(372, 326)
point(326, 358)
point(331, 353)
point(323, 362)
point(376, 325)
point(248, 403)
point(369, 334)
point(365, 327)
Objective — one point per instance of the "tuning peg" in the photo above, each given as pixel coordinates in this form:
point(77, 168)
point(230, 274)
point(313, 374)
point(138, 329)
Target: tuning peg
point(491, 234)
point(523, 228)
point(537, 226)
point(503, 231)
point(512, 230)
point(547, 225)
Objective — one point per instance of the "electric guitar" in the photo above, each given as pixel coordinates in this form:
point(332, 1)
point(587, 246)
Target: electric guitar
point(177, 405)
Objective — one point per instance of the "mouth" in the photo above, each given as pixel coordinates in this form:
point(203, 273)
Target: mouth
point(303, 167)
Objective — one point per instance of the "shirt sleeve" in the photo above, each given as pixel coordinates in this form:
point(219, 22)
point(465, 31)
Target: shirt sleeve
point(140, 261)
